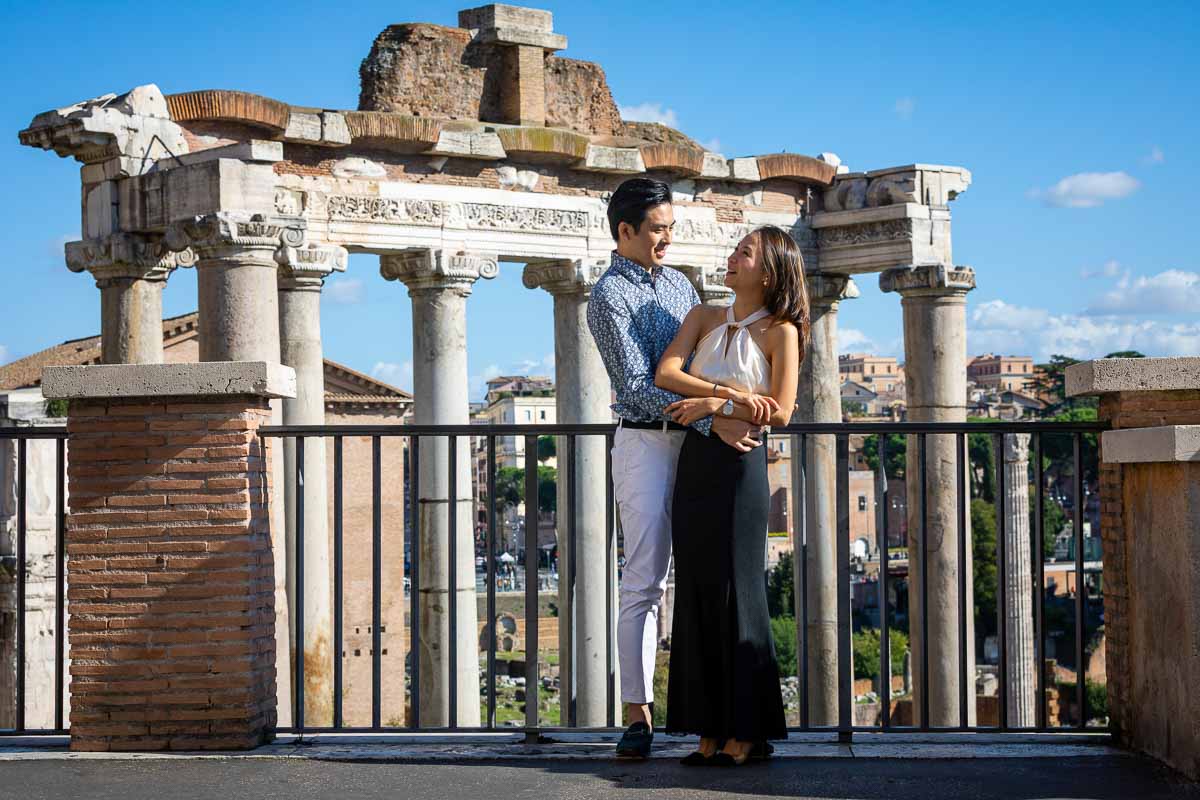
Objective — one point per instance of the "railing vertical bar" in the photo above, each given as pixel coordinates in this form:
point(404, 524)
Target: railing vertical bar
point(573, 552)
point(452, 571)
point(531, 588)
point(414, 577)
point(961, 459)
point(1080, 583)
point(801, 581)
point(491, 581)
point(60, 594)
point(338, 588)
point(376, 581)
point(20, 566)
point(845, 679)
point(1001, 579)
point(924, 533)
point(610, 578)
point(1039, 596)
point(885, 642)
point(299, 583)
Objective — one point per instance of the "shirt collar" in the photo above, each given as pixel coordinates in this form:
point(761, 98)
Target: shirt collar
point(633, 270)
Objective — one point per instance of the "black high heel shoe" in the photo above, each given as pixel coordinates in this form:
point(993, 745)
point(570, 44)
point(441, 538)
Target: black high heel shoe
point(696, 759)
point(761, 751)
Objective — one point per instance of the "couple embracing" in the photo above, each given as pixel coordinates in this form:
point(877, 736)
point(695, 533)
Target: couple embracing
point(695, 388)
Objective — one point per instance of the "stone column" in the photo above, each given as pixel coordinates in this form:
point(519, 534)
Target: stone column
point(1018, 612)
point(236, 275)
point(819, 399)
point(583, 395)
point(935, 356)
point(302, 274)
point(439, 283)
point(130, 271)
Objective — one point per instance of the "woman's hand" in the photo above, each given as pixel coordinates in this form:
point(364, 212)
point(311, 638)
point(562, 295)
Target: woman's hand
point(760, 406)
point(690, 409)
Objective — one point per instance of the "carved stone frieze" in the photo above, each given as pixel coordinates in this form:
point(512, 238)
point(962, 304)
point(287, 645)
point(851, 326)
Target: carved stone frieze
point(928, 279)
point(926, 184)
point(569, 277)
point(490, 216)
point(125, 255)
point(369, 208)
point(228, 233)
point(865, 233)
point(709, 282)
point(432, 269)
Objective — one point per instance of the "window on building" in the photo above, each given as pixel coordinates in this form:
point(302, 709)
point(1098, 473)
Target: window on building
point(543, 414)
point(862, 502)
point(528, 415)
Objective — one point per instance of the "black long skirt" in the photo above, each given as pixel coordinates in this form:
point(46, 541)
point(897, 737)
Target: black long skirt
point(724, 679)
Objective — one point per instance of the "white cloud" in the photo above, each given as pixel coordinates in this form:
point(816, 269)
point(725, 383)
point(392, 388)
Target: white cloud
point(400, 375)
point(1088, 189)
point(999, 327)
point(650, 112)
point(712, 145)
point(3, 354)
point(1155, 157)
point(1174, 291)
point(852, 340)
point(344, 291)
point(1109, 269)
point(905, 107)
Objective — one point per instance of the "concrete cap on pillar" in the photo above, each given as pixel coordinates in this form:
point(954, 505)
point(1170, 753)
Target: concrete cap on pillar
point(202, 379)
point(1108, 375)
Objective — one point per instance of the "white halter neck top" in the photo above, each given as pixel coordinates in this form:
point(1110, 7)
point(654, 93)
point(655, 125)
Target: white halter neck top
point(728, 355)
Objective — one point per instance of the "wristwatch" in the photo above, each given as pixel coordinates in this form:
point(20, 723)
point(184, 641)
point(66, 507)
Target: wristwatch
point(727, 409)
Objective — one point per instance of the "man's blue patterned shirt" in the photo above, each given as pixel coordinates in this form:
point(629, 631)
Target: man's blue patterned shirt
point(633, 314)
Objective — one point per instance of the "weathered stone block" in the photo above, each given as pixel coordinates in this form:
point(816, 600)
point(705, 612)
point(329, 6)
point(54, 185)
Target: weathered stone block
point(206, 378)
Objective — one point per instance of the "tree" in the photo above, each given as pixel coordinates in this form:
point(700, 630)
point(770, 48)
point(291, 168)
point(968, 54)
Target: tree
point(1058, 450)
point(783, 631)
point(781, 589)
point(983, 549)
point(510, 488)
point(854, 408)
point(865, 645)
point(547, 448)
point(1126, 354)
point(895, 446)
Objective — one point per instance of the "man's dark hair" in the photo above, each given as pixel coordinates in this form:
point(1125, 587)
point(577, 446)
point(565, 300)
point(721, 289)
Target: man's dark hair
point(632, 200)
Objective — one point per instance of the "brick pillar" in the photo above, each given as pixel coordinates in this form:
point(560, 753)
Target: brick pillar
point(1150, 535)
point(170, 565)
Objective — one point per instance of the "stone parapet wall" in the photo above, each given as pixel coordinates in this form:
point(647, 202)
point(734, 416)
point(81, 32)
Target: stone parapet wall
point(171, 574)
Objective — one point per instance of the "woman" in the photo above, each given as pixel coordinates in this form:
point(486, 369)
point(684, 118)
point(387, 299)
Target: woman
point(724, 679)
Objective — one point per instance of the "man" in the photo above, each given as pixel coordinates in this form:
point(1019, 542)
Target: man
point(635, 311)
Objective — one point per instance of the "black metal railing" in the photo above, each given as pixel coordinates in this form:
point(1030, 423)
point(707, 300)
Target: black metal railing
point(918, 433)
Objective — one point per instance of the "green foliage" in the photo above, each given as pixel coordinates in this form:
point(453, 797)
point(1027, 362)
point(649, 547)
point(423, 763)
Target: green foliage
point(866, 652)
point(510, 487)
point(661, 664)
point(781, 589)
point(895, 447)
point(57, 408)
point(1095, 697)
point(854, 408)
point(783, 630)
point(983, 548)
point(547, 448)
point(981, 454)
point(1126, 354)
point(1053, 520)
point(1058, 449)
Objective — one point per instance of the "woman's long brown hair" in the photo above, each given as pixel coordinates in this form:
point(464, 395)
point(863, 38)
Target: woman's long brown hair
point(787, 291)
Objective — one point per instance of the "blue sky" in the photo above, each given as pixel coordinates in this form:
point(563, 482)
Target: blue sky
point(1077, 120)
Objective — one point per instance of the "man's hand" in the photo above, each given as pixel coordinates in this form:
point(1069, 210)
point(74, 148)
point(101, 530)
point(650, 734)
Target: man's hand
point(739, 435)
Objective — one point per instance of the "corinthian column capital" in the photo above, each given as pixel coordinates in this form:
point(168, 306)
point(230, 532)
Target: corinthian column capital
point(829, 290)
point(432, 269)
point(307, 267)
point(928, 279)
point(126, 256)
point(567, 277)
point(227, 234)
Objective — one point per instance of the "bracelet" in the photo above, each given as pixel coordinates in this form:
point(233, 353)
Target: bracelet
point(715, 391)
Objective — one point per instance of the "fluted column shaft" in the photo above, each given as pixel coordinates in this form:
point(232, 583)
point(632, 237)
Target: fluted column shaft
point(1020, 669)
point(818, 399)
point(935, 357)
